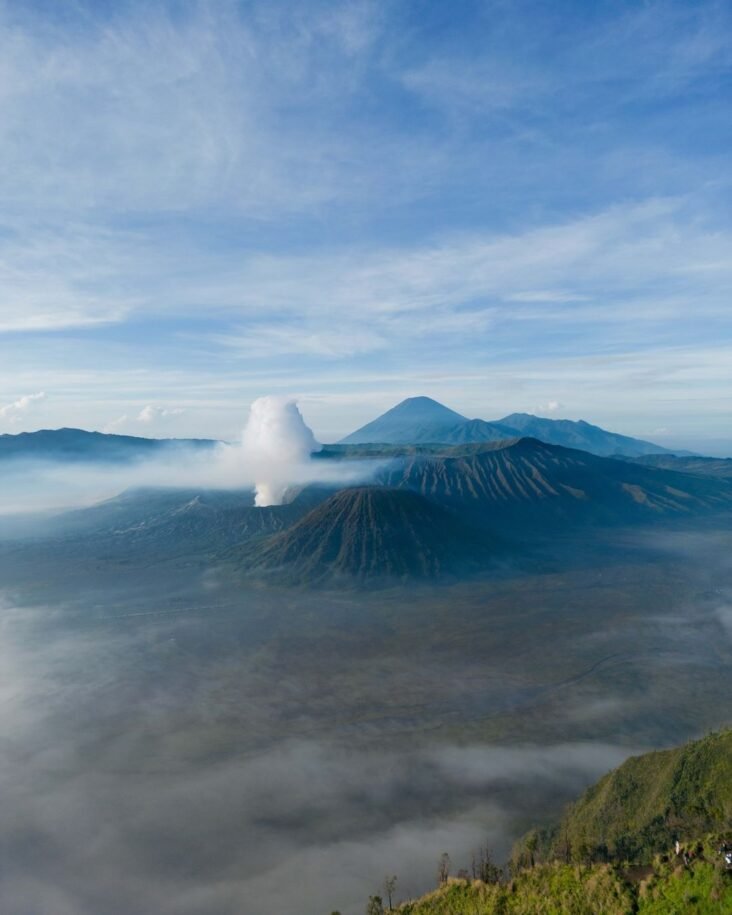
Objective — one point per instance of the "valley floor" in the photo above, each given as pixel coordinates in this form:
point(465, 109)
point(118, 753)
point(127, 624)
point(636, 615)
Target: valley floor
point(234, 744)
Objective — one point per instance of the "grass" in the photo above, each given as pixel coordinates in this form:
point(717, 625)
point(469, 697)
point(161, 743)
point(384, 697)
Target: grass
point(669, 887)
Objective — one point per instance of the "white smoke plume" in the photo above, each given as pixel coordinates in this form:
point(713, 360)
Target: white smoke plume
point(276, 441)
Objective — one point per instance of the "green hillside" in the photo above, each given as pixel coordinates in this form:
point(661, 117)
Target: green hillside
point(652, 837)
point(645, 805)
point(668, 887)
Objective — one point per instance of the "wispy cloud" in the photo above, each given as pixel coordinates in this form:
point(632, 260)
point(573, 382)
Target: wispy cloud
point(12, 410)
point(623, 269)
point(274, 196)
point(51, 280)
point(317, 339)
point(162, 109)
point(152, 414)
point(550, 406)
point(149, 419)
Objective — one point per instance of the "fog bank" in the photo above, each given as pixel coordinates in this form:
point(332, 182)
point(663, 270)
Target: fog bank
point(101, 817)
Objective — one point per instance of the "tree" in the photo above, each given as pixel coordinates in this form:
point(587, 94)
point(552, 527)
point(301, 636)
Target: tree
point(532, 843)
point(585, 853)
point(389, 889)
point(375, 906)
point(443, 868)
point(564, 845)
point(483, 868)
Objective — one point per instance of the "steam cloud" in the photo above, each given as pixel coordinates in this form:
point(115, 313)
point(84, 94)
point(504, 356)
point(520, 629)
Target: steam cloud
point(276, 442)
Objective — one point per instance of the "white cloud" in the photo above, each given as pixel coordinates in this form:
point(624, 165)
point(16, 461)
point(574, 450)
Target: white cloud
point(205, 112)
point(627, 261)
point(210, 112)
point(169, 146)
point(152, 414)
point(12, 410)
point(623, 266)
point(263, 341)
point(158, 110)
point(551, 406)
point(115, 425)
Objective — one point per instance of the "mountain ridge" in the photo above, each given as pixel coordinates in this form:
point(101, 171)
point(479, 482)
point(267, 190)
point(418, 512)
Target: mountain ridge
point(423, 420)
point(530, 483)
point(703, 466)
point(515, 491)
point(71, 444)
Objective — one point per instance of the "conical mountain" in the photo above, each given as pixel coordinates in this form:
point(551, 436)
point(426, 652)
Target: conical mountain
point(369, 534)
point(421, 419)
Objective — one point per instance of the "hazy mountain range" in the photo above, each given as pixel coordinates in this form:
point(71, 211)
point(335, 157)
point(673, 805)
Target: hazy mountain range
point(706, 466)
point(421, 419)
point(417, 420)
point(431, 514)
point(427, 513)
point(439, 496)
point(81, 445)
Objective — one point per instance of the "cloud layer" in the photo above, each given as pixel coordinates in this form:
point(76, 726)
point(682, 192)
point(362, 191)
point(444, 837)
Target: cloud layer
point(110, 811)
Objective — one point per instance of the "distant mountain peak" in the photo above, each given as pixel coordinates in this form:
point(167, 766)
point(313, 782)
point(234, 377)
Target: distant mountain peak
point(423, 407)
point(422, 420)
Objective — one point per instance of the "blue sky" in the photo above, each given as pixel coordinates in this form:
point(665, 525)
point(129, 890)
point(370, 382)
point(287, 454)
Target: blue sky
point(504, 205)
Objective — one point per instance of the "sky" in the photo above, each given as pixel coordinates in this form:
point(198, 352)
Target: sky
point(508, 206)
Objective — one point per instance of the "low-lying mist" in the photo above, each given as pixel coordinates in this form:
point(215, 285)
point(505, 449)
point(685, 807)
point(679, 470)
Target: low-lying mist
point(274, 454)
point(175, 743)
point(119, 799)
